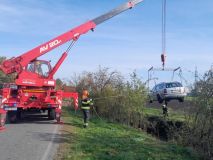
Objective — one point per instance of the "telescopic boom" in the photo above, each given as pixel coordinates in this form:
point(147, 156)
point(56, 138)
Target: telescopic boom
point(19, 63)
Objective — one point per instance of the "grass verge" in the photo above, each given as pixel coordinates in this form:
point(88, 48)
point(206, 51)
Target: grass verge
point(109, 141)
point(173, 115)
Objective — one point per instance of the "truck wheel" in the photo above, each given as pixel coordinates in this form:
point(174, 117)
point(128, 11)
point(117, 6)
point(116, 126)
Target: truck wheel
point(51, 114)
point(12, 116)
point(19, 115)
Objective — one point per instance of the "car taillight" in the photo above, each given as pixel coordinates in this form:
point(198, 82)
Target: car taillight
point(165, 91)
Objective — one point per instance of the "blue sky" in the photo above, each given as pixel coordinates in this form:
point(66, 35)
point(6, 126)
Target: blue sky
point(127, 42)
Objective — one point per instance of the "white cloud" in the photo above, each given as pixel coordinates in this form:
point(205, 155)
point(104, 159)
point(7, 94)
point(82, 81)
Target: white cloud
point(6, 9)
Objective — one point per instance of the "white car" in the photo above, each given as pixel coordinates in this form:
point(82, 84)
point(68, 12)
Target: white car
point(167, 91)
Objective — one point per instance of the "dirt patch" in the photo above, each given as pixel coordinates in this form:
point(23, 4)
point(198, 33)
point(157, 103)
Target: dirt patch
point(186, 106)
point(161, 128)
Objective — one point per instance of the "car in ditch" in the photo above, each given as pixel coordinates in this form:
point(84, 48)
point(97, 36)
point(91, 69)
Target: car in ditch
point(167, 91)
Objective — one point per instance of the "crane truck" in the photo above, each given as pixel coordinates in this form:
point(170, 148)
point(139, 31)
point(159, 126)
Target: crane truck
point(35, 87)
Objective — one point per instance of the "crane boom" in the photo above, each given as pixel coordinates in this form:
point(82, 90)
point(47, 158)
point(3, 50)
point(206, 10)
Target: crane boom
point(19, 63)
point(116, 11)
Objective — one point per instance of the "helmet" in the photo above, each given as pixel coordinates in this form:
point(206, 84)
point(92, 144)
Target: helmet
point(37, 62)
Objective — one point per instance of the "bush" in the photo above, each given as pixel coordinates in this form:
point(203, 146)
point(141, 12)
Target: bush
point(199, 132)
point(6, 78)
point(114, 98)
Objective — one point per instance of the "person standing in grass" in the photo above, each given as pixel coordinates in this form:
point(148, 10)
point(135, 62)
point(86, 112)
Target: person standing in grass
point(86, 103)
point(165, 110)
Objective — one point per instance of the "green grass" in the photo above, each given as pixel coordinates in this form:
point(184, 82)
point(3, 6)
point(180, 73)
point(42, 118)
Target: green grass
point(190, 98)
point(173, 115)
point(108, 141)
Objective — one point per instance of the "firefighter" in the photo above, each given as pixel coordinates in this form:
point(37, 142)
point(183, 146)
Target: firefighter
point(165, 110)
point(86, 103)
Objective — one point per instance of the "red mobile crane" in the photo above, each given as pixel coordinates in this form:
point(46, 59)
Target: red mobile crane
point(34, 86)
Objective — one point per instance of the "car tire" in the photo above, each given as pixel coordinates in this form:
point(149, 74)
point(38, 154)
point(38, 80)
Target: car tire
point(160, 100)
point(181, 99)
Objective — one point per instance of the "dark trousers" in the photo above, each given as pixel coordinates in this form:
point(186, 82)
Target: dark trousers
point(86, 115)
point(165, 112)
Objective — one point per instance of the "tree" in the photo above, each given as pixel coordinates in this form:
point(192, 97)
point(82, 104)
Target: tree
point(114, 98)
point(200, 133)
point(5, 78)
point(59, 83)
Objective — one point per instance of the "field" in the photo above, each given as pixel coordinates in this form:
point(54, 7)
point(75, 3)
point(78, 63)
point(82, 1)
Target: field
point(173, 115)
point(177, 111)
point(103, 140)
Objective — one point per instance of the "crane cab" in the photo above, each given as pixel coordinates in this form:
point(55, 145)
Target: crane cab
point(40, 67)
point(36, 73)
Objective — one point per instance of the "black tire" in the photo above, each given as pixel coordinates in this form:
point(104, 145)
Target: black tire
point(51, 114)
point(19, 115)
point(181, 99)
point(160, 100)
point(11, 116)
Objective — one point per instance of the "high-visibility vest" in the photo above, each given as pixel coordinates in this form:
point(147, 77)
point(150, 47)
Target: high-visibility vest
point(86, 103)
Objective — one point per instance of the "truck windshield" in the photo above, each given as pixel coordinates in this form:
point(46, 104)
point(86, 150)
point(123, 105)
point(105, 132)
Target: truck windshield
point(40, 67)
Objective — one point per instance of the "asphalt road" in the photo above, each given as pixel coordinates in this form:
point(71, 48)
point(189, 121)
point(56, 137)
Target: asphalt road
point(33, 138)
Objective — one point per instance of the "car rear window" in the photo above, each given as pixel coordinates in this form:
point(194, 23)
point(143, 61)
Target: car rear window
point(171, 85)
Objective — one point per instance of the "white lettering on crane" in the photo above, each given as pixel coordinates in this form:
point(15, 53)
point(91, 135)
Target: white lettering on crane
point(76, 35)
point(51, 83)
point(50, 45)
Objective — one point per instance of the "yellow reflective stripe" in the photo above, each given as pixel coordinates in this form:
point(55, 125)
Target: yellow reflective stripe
point(85, 107)
point(85, 102)
point(35, 91)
